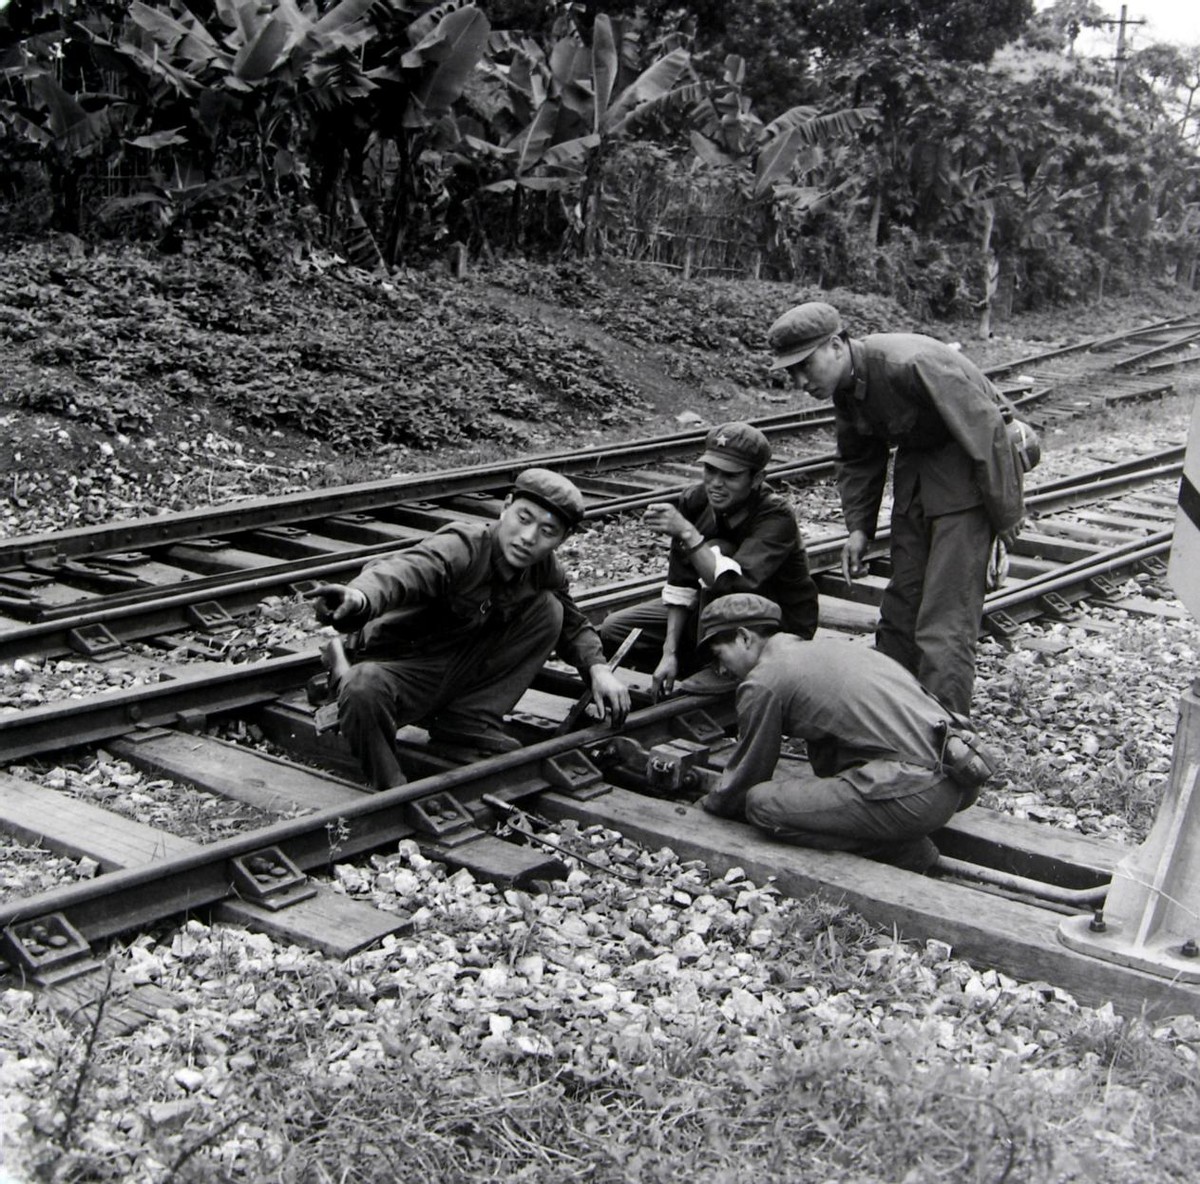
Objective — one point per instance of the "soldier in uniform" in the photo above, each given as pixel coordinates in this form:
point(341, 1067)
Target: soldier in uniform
point(956, 485)
point(728, 533)
point(889, 763)
point(453, 630)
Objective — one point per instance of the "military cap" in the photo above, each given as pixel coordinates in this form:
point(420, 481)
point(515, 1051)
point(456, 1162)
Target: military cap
point(553, 492)
point(726, 613)
point(801, 330)
point(734, 447)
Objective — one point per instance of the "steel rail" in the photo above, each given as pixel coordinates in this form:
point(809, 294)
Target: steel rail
point(193, 591)
point(1088, 346)
point(55, 726)
point(1073, 575)
point(138, 896)
point(150, 612)
point(143, 533)
point(1156, 351)
point(258, 513)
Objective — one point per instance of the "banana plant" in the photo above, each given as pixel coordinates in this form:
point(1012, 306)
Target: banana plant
point(315, 89)
point(577, 105)
point(727, 132)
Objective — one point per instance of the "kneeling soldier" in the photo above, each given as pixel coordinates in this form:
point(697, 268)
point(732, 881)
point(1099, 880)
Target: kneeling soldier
point(454, 630)
point(890, 764)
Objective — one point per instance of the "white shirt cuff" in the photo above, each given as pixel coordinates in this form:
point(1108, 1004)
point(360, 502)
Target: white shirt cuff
point(679, 596)
point(722, 564)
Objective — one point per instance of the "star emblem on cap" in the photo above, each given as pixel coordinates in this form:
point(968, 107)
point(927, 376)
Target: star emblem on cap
point(722, 440)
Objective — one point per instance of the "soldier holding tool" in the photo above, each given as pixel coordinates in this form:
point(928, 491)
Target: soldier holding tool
point(728, 533)
point(889, 763)
point(453, 631)
point(957, 484)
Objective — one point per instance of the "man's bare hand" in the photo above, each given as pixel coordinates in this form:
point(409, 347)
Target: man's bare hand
point(333, 603)
point(1009, 537)
point(665, 673)
point(853, 563)
point(610, 694)
point(664, 518)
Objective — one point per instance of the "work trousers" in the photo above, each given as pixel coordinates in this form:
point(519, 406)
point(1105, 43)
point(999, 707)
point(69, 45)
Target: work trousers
point(468, 688)
point(932, 608)
point(651, 619)
point(834, 813)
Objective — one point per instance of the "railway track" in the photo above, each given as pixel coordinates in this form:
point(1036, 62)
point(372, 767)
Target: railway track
point(1087, 534)
point(81, 589)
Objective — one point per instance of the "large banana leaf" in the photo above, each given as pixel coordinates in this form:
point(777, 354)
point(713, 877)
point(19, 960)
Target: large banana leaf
point(571, 152)
point(186, 38)
point(709, 152)
point(531, 143)
point(157, 67)
point(776, 159)
point(63, 108)
point(240, 15)
point(75, 131)
point(262, 53)
point(650, 87)
point(796, 128)
point(167, 138)
point(545, 184)
point(605, 65)
point(346, 17)
point(815, 127)
point(452, 49)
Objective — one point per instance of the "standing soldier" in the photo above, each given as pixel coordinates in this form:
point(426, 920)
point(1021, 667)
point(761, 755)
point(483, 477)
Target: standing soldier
point(728, 533)
point(453, 630)
point(956, 487)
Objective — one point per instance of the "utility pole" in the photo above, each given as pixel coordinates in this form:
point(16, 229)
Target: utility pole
point(1121, 26)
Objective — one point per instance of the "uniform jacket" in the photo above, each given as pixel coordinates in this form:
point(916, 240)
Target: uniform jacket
point(940, 410)
point(767, 549)
point(450, 587)
point(851, 704)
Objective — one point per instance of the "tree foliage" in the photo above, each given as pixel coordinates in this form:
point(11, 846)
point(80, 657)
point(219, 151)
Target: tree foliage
point(943, 150)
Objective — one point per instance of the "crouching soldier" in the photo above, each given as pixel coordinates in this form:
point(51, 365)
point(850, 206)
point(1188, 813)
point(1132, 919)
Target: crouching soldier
point(453, 631)
point(890, 764)
point(728, 533)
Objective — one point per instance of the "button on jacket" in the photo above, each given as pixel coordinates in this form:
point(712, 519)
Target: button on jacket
point(940, 410)
point(768, 554)
point(445, 591)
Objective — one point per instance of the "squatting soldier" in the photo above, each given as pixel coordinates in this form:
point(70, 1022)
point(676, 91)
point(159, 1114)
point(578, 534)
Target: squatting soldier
point(453, 630)
point(729, 533)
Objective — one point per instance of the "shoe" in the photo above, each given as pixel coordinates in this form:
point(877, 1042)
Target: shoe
point(489, 740)
point(707, 682)
point(918, 855)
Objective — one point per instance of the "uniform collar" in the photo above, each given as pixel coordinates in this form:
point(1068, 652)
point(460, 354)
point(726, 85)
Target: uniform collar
point(858, 370)
point(743, 512)
point(503, 570)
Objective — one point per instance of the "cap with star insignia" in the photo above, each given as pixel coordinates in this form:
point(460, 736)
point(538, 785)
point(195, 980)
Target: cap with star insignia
point(736, 447)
